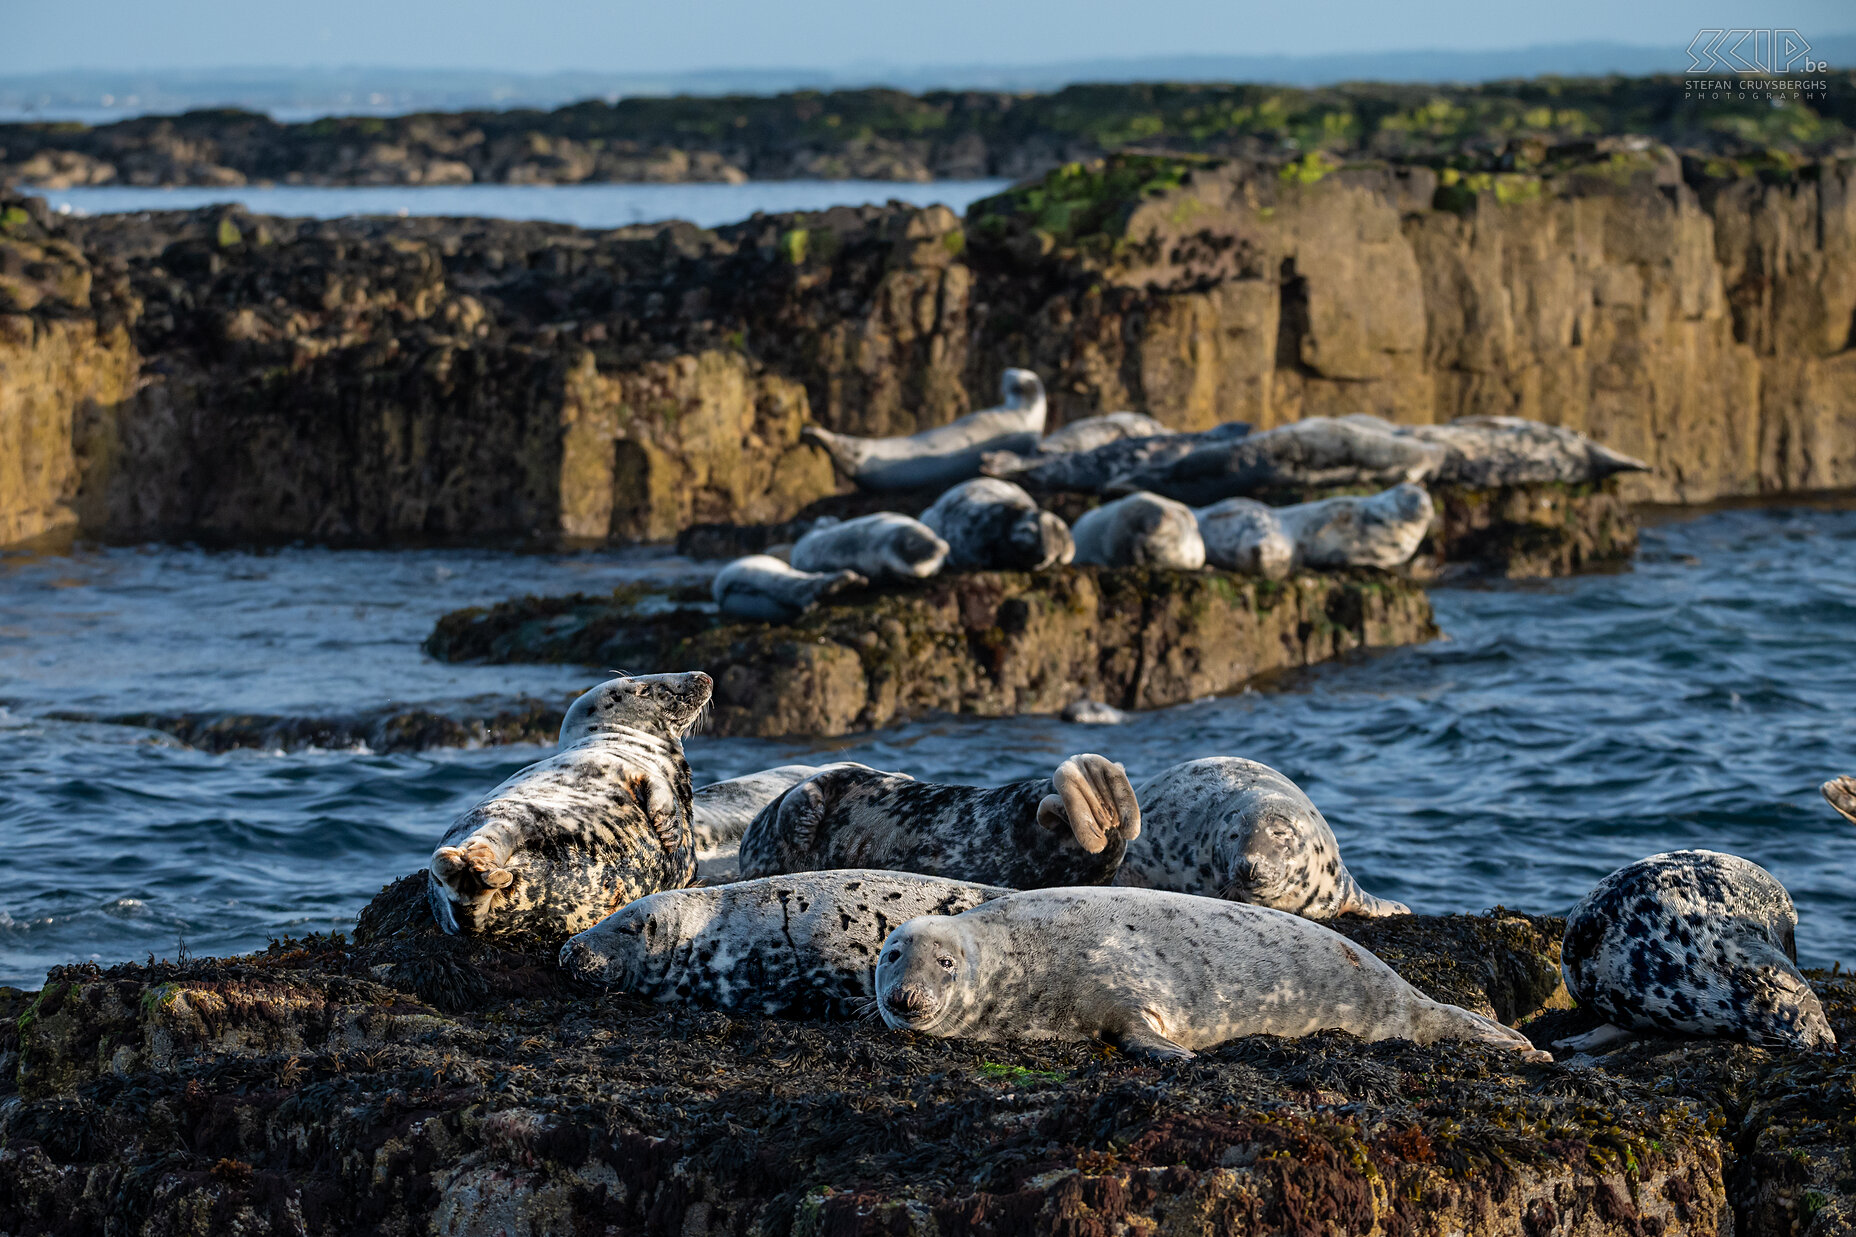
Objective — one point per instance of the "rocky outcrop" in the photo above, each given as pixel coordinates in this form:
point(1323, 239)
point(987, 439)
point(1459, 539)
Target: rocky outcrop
point(890, 135)
point(379, 730)
point(391, 380)
point(408, 1082)
point(986, 643)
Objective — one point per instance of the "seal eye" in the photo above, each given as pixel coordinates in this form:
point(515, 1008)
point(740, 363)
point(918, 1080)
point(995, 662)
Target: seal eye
point(892, 955)
point(947, 964)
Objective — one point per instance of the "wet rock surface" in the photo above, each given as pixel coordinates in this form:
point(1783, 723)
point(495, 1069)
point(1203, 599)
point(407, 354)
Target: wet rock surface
point(984, 643)
point(380, 730)
point(409, 1082)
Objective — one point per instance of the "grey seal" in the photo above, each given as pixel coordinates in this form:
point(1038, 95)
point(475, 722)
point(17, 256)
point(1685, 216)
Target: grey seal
point(1840, 793)
point(1312, 453)
point(1153, 973)
point(803, 945)
point(1489, 452)
point(1141, 530)
point(1071, 828)
point(885, 545)
point(992, 525)
point(945, 455)
point(722, 812)
point(1094, 470)
point(1691, 943)
point(565, 842)
point(1235, 829)
point(760, 586)
point(1383, 530)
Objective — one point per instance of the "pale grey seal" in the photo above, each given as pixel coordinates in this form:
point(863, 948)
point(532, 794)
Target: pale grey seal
point(1695, 943)
point(1383, 530)
point(1094, 470)
point(1311, 453)
point(1141, 530)
point(1071, 828)
point(802, 945)
point(722, 812)
point(945, 455)
point(1489, 452)
point(568, 840)
point(992, 525)
point(1840, 793)
point(1153, 973)
point(1231, 828)
point(1093, 713)
point(886, 545)
point(1091, 432)
point(760, 586)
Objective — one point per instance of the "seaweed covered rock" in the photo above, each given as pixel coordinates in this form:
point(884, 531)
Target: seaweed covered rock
point(985, 643)
point(379, 730)
point(314, 1088)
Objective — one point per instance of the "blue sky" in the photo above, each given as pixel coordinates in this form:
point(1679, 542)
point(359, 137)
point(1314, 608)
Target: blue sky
point(672, 35)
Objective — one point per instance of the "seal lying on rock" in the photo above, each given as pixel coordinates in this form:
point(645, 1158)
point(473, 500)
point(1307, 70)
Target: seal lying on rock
point(568, 840)
point(1141, 530)
point(1235, 829)
point(802, 945)
point(723, 811)
point(945, 455)
point(762, 587)
point(874, 546)
point(1092, 432)
point(1311, 453)
point(1383, 531)
point(1153, 973)
point(994, 525)
point(1693, 942)
point(1071, 828)
point(1840, 793)
point(1488, 452)
point(1095, 470)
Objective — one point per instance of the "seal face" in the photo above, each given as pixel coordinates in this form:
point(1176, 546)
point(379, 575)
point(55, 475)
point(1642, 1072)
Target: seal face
point(1141, 530)
point(945, 455)
point(799, 946)
point(1153, 973)
point(1071, 828)
point(1234, 829)
point(886, 545)
point(762, 587)
point(994, 525)
point(1383, 530)
point(1693, 943)
point(564, 842)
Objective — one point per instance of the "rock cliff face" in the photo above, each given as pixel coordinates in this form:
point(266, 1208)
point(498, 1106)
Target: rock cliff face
point(379, 380)
point(410, 1082)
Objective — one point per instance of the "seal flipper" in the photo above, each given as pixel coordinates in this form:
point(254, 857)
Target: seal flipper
point(1138, 1039)
point(1094, 800)
point(1599, 1037)
point(1356, 901)
point(1840, 793)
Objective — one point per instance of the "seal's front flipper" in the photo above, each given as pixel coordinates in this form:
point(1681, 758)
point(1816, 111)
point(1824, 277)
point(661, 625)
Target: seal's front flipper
point(1094, 800)
point(1137, 1039)
point(1840, 792)
point(1606, 1036)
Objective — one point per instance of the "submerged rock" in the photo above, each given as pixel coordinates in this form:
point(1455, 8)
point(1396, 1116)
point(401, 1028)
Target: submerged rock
point(986, 643)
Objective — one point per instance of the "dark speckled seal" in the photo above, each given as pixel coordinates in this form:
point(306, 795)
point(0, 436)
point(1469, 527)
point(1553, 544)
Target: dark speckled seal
point(1235, 829)
point(801, 946)
point(992, 525)
point(1154, 973)
point(1071, 828)
point(1691, 943)
point(570, 839)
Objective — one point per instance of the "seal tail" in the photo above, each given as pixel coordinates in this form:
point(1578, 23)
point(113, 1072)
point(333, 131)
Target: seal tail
point(1605, 461)
point(1094, 800)
point(848, 453)
point(1840, 793)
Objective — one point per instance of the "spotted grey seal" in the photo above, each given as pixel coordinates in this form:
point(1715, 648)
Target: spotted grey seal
point(1153, 973)
point(1840, 793)
point(1314, 452)
point(802, 945)
point(1141, 530)
point(1383, 530)
point(1096, 469)
point(1071, 828)
point(1488, 452)
point(945, 455)
point(884, 545)
point(1088, 433)
point(993, 525)
point(1693, 942)
point(760, 586)
point(1231, 828)
point(568, 840)
point(722, 812)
